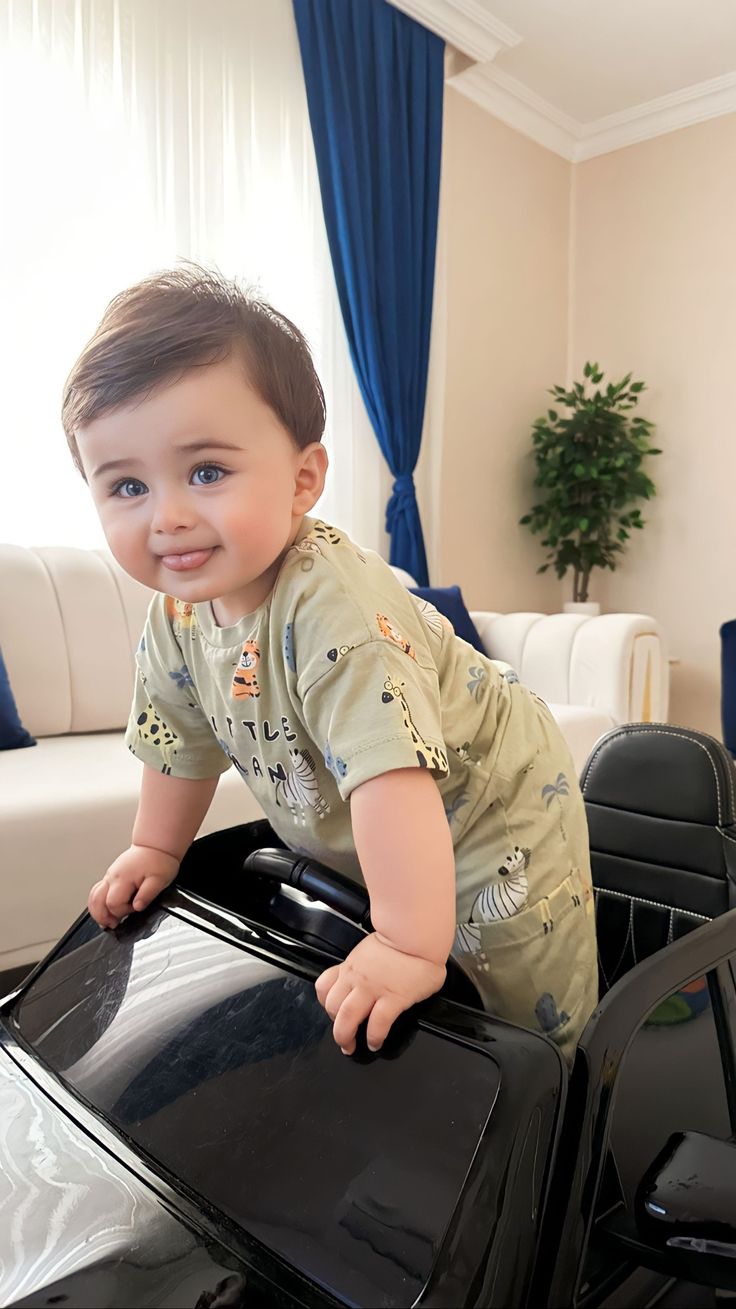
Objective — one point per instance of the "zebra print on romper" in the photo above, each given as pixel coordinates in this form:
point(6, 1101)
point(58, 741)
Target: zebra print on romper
point(300, 789)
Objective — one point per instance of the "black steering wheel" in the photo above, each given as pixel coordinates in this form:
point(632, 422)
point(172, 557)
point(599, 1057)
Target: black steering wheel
point(345, 898)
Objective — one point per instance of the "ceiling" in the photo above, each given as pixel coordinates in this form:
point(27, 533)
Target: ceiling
point(587, 76)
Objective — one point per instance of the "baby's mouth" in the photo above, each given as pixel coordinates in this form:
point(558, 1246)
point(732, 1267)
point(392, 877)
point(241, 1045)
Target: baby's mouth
point(189, 559)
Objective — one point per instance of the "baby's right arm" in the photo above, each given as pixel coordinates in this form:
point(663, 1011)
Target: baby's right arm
point(170, 813)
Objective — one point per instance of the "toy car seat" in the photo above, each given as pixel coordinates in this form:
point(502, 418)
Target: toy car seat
point(662, 820)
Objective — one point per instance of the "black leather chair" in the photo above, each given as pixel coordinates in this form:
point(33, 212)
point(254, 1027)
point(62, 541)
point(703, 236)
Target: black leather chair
point(662, 818)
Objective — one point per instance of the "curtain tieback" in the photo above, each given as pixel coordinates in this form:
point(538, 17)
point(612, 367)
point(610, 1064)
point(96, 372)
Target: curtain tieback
point(403, 497)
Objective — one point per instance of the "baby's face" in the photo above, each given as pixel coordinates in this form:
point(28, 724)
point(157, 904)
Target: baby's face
point(200, 489)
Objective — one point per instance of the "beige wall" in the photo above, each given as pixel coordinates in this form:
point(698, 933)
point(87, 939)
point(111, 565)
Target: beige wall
point(504, 222)
point(650, 287)
point(655, 292)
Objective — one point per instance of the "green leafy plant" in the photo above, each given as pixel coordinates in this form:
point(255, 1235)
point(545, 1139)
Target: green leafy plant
point(589, 464)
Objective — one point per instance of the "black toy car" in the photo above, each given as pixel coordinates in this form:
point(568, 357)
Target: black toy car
point(178, 1128)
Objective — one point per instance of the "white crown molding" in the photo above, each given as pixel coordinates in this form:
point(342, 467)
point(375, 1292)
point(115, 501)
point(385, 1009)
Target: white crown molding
point(464, 23)
point(693, 104)
point(521, 108)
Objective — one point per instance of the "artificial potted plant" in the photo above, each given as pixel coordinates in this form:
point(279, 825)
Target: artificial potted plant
point(589, 464)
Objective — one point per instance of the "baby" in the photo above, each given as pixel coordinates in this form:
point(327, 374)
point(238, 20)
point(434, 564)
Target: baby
point(374, 739)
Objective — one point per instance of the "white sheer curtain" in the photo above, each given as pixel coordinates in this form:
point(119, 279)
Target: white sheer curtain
point(134, 133)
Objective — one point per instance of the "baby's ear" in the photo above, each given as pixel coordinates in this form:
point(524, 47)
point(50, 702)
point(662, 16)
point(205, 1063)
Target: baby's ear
point(310, 477)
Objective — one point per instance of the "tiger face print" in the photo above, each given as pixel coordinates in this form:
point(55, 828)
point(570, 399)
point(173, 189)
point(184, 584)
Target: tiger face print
point(245, 681)
point(388, 630)
point(179, 613)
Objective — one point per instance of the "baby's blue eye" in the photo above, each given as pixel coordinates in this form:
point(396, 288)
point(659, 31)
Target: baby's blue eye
point(130, 489)
point(207, 474)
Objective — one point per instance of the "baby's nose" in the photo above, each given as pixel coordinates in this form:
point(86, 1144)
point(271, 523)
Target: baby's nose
point(172, 512)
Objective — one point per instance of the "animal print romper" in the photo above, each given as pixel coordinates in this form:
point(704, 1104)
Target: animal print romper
point(342, 675)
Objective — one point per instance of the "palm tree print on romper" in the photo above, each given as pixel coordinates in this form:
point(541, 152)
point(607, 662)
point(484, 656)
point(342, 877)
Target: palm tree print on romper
point(477, 683)
point(432, 617)
point(553, 791)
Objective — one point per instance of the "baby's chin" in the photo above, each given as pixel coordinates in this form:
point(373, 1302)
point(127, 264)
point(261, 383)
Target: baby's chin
point(188, 592)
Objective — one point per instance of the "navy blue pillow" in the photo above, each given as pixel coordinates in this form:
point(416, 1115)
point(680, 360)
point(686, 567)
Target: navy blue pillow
point(13, 734)
point(728, 685)
point(449, 601)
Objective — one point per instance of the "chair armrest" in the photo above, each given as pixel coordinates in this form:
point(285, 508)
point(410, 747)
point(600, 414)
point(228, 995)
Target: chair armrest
point(615, 663)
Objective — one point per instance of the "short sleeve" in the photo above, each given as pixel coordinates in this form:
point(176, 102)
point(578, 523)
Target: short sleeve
point(167, 728)
point(376, 710)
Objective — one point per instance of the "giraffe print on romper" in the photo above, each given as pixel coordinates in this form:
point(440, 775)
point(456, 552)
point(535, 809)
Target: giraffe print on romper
point(308, 549)
point(152, 730)
point(429, 756)
point(388, 630)
point(323, 532)
point(245, 682)
point(339, 652)
point(299, 790)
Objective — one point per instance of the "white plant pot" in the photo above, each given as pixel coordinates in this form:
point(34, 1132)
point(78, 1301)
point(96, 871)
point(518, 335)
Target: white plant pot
point(589, 607)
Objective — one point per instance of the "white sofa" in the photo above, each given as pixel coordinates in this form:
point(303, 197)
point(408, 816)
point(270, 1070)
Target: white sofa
point(69, 623)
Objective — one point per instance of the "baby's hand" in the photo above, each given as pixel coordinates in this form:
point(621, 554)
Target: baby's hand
point(131, 882)
point(376, 982)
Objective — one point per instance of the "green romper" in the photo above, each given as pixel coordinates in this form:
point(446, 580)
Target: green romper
point(341, 675)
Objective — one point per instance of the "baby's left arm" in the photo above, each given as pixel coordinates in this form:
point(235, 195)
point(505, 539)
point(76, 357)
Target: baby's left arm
point(404, 845)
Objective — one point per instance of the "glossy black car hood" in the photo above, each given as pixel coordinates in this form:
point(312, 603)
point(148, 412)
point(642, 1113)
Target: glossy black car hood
point(216, 1066)
point(78, 1228)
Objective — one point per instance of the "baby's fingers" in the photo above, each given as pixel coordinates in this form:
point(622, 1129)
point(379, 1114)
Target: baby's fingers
point(325, 983)
point(97, 905)
point(148, 890)
point(355, 1007)
point(383, 1016)
point(120, 893)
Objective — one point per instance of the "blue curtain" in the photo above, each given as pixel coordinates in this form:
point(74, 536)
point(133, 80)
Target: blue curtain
point(375, 81)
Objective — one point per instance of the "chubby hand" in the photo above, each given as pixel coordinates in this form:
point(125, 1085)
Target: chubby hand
point(378, 982)
point(136, 877)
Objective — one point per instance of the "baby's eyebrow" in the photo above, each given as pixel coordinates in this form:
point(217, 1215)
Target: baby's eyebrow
point(192, 447)
point(110, 465)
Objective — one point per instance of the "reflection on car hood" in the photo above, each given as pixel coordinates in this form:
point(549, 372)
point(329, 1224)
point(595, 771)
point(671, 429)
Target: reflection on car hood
point(71, 1214)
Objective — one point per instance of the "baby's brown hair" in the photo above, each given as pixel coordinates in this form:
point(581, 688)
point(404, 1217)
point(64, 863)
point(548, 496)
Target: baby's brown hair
point(189, 317)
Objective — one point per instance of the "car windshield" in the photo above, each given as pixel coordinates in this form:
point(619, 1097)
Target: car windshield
point(221, 1067)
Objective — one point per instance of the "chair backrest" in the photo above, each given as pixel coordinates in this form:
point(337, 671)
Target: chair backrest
point(728, 684)
point(662, 820)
